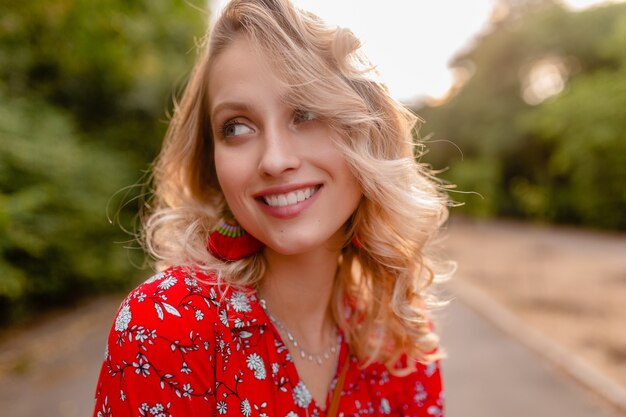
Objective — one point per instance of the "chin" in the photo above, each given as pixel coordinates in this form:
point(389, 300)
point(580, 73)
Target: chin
point(294, 248)
point(290, 247)
point(291, 250)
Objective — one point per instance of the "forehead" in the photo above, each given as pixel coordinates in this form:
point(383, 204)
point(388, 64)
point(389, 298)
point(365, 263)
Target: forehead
point(240, 72)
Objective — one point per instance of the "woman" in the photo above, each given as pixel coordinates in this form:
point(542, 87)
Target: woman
point(291, 223)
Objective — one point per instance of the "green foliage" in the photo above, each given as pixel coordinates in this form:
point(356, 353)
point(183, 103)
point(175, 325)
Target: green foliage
point(559, 160)
point(85, 87)
point(55, 241)
point(113, 64)
point(480, 176)
point(586, 129)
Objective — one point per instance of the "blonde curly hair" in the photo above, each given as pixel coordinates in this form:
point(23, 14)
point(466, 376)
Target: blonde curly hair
point(383, 283)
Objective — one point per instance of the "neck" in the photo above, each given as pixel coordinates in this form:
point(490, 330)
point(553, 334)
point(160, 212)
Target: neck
point(297, 290)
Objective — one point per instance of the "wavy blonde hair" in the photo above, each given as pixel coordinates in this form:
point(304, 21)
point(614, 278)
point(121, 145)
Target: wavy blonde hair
point(383, 283)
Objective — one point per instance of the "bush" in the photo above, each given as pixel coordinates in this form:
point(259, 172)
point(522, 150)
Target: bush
point(56, 244)
point(84, 89)
point(560, 158)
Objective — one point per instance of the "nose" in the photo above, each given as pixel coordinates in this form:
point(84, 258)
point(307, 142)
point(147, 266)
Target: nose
point(280, 153)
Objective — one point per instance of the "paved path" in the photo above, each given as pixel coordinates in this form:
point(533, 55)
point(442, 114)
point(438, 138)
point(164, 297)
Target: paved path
point(51, 370)
point(488, 374)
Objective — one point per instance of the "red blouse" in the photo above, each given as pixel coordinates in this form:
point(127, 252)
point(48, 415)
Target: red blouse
point(181, 348)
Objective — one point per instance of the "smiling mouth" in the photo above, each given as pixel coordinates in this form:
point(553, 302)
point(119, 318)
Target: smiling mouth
point(291, 198)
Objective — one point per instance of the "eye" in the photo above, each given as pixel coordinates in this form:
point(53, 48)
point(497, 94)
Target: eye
point(234, 128)
point(302, 116)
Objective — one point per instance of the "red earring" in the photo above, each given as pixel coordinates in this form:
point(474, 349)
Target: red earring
point(230, 242)
point(356, 243)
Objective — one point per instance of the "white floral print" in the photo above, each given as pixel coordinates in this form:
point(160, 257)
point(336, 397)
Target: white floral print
point(171, 338)
point(275, 368)
point(187, 390)
point(185, 369)
point(123, 319)
point(256, 364)
point(385, 408)
point(157, 410)
point(223, 317)
point(420, 393)
point(240, 303)
point(301, 395)
point(435, 411)
point(140, 334)
point(430, 369)
point(155, 277)
point(158, 407)
point(168, 283)
point(246, 410)
point(105, 411)
point(142, 367)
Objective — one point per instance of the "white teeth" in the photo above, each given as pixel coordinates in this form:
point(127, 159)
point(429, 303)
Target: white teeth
point(288, 199)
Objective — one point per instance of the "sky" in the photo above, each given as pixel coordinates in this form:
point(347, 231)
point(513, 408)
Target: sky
point(411, 41)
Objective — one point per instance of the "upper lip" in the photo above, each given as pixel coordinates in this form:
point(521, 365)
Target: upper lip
point(284, 189)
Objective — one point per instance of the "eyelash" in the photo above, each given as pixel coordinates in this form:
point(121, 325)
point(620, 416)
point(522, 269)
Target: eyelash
point(230, 123)
point(299, 113)
point(299, 116)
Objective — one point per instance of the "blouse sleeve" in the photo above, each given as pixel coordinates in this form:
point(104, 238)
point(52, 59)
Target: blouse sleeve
point(159, 359)
point(423, 392)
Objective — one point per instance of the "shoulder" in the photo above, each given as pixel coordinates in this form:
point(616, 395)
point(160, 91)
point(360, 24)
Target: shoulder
point(174, 311)
point(163, 342)
point(418, 392)
point(421, 389)
point(180, 300)
point(178, 296)
point(160, 348)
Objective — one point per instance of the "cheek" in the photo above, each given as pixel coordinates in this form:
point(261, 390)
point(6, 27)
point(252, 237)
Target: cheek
point(334, 162)
point(348, 183)
point(221, 170)
point(230, 175)
point(354, 193)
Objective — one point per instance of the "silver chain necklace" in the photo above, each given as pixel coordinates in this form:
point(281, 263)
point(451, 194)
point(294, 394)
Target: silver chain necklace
point(318, 358)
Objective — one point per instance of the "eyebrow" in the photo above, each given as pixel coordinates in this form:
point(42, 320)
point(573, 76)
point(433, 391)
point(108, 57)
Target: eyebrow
point(241, 106)
point(230, 105)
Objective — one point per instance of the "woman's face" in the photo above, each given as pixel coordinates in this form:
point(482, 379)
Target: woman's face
point(283, 177)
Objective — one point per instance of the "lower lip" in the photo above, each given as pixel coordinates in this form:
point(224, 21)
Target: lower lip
point(291, 210)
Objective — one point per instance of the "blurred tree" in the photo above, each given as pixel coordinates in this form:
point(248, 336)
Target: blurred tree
point(511, 10)
point(586, 130)
point(84, 91)
point(113, 64)
point(540, 90)
point(55, 242)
